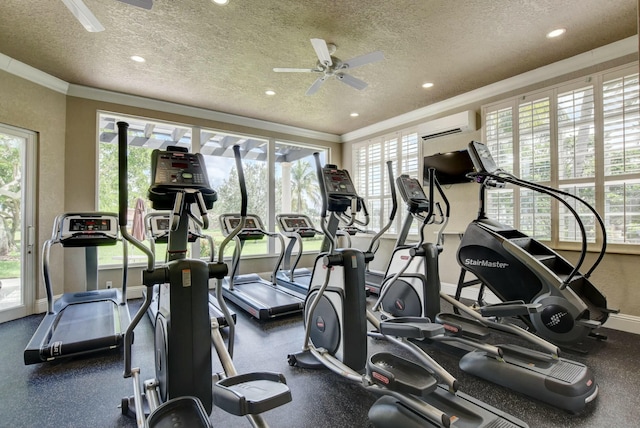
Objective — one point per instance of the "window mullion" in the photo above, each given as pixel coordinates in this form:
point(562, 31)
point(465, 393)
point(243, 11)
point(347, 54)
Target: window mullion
point(599, 151)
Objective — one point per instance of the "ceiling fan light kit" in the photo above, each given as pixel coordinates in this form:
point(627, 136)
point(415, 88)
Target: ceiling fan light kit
point(330, 66)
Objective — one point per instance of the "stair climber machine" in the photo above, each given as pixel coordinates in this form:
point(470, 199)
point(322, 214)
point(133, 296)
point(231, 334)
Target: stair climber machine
point(262, 299)
point(412, 289)
point(158, 227)
point(296, 227)
point(86, 321)
point(411, 394)
point(515, 266)
point(182, 393)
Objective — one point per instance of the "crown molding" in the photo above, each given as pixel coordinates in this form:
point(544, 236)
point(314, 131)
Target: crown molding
point(41, 78)
point(31, 74)
point(201, 113)
point(587, 59)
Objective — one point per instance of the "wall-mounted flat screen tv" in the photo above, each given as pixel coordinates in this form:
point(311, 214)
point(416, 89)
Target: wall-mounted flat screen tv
point(450, 167)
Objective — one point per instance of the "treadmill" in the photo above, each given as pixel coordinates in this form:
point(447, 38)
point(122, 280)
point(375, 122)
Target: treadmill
point(262, 299)
point(295, 227)
point(157, 226)
point(87, 321)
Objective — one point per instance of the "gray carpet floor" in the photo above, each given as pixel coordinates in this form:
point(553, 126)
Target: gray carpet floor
point(86, 391)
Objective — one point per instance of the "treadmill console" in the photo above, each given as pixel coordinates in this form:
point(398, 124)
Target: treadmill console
point(412, 194)
point(252, 230)
point(174, 170)
point(159, 227)
point(88, 230)
point(481, 158)
point(300, 224)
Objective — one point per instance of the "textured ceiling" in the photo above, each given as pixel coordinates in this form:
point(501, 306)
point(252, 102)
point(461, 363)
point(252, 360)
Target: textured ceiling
point(221, 57)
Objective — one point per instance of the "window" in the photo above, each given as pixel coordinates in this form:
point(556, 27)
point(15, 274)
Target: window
point(582, 137)
point(262, 159)
point(371, 178)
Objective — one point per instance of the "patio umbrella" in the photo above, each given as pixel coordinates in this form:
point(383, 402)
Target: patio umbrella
point(138, 220)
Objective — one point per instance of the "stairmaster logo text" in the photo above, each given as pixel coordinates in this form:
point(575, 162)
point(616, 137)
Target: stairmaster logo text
point(486, 263)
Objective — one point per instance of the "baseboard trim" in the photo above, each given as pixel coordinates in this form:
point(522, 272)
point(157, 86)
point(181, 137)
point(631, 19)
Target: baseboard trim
point(620, 322)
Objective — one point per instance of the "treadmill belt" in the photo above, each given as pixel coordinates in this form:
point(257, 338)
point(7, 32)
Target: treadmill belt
point(266, 294)
point(84, 322)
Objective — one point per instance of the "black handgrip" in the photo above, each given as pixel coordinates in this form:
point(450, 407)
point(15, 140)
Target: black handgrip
point(243, 186)
point(123, 190)
point(392, 186)
point(323, 191)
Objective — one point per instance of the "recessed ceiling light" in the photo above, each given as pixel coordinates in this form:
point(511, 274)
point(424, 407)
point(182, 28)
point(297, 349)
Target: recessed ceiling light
point(137, 58)
point(427, 85)
point(220, 2)
point(556, 33)
point(354, 114)
point(270, 92)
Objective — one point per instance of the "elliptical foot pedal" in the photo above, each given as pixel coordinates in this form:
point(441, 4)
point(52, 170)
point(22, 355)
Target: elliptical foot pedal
point(251, 393)
point(181, 411)
point(400, 375)
point(510, 309)
point(411, 327)
point(462, 326)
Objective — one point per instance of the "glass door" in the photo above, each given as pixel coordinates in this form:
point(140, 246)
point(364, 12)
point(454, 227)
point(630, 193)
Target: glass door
point(17, 235)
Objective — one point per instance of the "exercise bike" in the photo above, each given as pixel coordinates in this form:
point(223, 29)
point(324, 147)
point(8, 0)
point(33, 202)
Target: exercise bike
point(515, 266)
point(182, 392)
point(411, 288)
point(413, 394)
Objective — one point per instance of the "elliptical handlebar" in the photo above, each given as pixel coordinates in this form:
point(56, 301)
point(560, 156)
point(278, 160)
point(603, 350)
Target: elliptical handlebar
point(375, 241)
point(123, 194)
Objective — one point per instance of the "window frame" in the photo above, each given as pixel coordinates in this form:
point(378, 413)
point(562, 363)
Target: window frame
point(196, 146)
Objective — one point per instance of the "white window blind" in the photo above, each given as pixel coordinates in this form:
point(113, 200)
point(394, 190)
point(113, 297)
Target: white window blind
point(371, 177)
point(582, 137)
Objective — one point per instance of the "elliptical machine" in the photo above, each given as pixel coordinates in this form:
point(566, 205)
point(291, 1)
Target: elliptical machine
point(411, 288)
point(182, 392)
point(515, 266)
point(336, 335)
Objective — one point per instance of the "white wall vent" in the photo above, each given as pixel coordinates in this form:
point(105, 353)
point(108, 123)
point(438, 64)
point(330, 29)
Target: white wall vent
point(455, 124)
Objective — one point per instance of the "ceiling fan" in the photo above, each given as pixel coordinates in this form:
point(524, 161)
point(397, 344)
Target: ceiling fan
point(329, 66)
point(88, 19)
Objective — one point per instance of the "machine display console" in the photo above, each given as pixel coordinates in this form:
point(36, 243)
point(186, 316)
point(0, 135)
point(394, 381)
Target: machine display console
point(174, 170)
point(89, 225)
point(481, 158)
point(76, 230)
point(252, 226)
point(291, 224)
point(300, 224)
point(179, 169)
point(159, 226)
point(410, 188)
point(337, 182)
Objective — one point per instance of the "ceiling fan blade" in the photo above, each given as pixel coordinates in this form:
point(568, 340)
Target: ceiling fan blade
point(84, 15)
point(296, 70)
point(354, 82)
point(363, 59)
point(322, 51)
point(145, 4)
point(316, 85)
